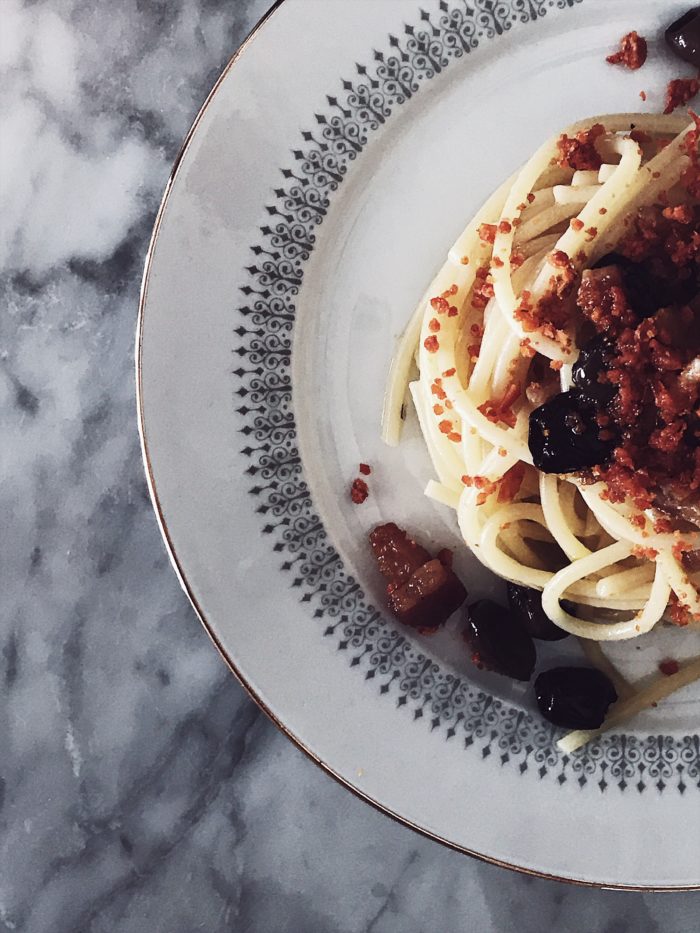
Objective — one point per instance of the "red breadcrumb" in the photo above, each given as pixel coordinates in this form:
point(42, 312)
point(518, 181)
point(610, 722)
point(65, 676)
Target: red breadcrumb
point(552, 313)
point(359, 491)
point(483, 288)
point(579, 152)
point(487, 233)
point(683, 213)
point(680, 614)
point(679, 92)
point(499, 410)
point(632, 52)
point(654, 414)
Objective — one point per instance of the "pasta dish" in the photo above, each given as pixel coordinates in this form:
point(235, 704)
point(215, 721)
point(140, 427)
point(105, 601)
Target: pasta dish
point(558, 384)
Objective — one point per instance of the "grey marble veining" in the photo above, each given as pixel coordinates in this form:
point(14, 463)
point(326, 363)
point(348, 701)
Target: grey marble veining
point(140, 790)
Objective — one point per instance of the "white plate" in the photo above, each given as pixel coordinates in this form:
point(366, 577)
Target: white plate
point(326, 176)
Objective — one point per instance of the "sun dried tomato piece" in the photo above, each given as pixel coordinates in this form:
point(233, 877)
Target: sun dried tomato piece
point(429, 597)
point(423, 591)
point(397, 554)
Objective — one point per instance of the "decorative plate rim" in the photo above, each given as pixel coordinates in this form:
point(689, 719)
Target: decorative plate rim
point(265, 392)
point(178, 566)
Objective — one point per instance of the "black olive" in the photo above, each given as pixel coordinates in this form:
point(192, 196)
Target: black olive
point(613, 259)
point(564, 435)
point(646, 291)
point(574, 697)
point(526, 606)
point(683, 37)
point(498, 642)
point(594, 359)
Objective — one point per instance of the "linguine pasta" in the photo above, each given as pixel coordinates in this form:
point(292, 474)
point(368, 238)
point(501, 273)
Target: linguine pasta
point(474, 345)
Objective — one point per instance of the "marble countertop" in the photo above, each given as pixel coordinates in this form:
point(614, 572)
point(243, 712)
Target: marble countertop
point(140, 789)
